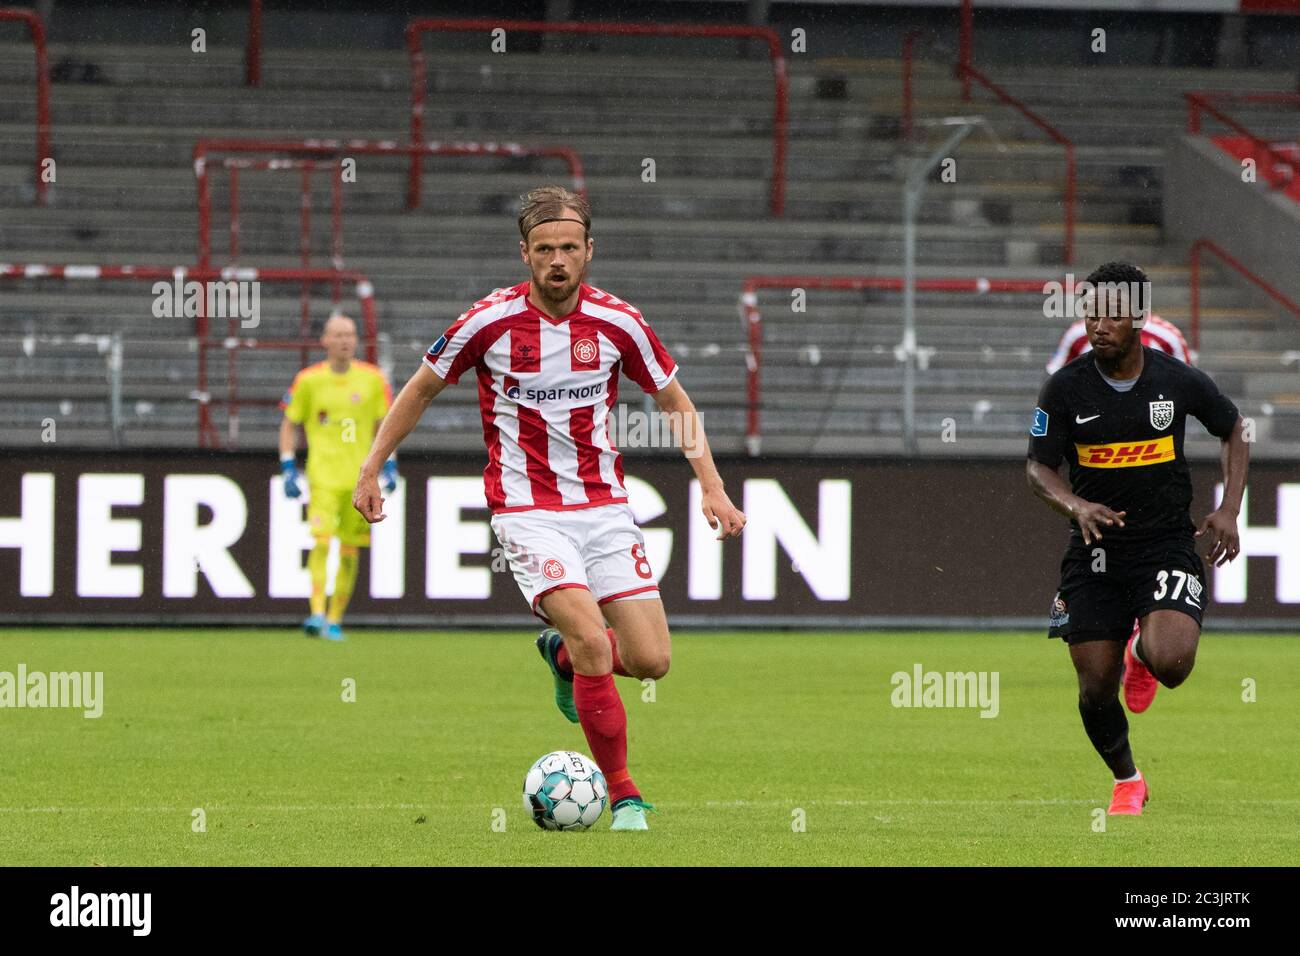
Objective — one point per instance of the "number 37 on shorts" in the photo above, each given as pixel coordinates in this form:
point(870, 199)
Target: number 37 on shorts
point(1180, 580)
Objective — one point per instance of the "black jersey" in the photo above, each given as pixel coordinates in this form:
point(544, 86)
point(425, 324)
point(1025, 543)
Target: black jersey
point(1125, 449)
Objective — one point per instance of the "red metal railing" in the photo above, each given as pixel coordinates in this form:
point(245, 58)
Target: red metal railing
point(753, 319)
point(416, 29)
point(909, 43)
point(965, 42)
point(965, 72)
point(1208, 245)
point(253, 50)
point(36, 27)
point(1199, 102)
point(339, 149)
point(233, 165)
point(233, 341)
point(1071, 174)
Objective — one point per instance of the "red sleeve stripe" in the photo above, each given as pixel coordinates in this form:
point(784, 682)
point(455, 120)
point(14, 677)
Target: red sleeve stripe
point(480, 340)
point(637, 344)
point(603, 298)
point(456, 336)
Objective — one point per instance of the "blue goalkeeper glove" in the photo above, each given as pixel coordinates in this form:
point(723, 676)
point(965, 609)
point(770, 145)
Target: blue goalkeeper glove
point(289, 470)
point(388, 477)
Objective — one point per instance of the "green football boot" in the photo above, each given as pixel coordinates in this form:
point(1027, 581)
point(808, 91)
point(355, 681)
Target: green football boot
point(549, 643)
point(629, 814)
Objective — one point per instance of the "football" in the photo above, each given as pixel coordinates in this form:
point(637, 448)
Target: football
point(564, 790)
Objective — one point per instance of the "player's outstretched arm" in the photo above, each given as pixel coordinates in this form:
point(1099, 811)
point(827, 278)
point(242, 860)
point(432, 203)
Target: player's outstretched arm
point(421, 389)
point(1220, 525)
point(723, 516)
point(1051, 487)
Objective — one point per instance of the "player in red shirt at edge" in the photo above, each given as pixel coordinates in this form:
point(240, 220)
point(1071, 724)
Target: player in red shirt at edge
point(547, 354)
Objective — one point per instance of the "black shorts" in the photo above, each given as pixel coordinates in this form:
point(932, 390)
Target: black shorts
point(1104, 588)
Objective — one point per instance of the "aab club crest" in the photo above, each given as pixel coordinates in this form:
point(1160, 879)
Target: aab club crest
point(585, 351)
point(1162, 415)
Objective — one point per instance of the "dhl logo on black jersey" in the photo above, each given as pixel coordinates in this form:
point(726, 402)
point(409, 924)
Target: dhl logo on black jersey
point(1126, 454)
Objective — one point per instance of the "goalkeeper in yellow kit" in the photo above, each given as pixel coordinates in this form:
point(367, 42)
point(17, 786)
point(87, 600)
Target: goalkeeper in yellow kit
point(339, 403)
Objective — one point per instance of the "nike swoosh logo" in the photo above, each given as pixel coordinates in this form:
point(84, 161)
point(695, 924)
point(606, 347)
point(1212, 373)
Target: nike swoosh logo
point(1080, 421)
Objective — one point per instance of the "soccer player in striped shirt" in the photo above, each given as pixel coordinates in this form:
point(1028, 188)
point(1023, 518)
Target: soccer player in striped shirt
point(546, 355)
point(338, 403)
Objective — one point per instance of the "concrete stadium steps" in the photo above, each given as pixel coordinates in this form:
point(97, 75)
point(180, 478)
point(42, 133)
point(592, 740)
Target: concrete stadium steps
point(961, 331)
point(125, 65)
point(827, 160)
point(677, 248)
point(409, 290)
point(492, 185)
point(957, 246)
point(303, 112)
point(463, 68)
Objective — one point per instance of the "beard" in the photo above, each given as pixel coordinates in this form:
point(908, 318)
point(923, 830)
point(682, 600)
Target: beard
point(556, 294)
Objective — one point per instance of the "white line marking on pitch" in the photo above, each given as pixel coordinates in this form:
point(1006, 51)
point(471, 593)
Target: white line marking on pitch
point(708, 804)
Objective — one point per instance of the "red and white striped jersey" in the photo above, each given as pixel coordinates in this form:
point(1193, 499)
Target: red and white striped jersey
point(1157, 333)
point(545, 389)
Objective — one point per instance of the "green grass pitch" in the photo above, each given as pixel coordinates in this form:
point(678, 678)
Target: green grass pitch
point(747, 730)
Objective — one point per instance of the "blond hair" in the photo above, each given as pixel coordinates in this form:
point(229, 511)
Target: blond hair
point(548, 203)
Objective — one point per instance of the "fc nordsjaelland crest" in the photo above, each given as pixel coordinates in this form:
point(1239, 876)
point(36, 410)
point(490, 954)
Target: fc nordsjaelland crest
point(1162, 415)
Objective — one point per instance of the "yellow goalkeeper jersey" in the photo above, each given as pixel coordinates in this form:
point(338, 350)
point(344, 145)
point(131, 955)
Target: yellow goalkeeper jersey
point(338, 412)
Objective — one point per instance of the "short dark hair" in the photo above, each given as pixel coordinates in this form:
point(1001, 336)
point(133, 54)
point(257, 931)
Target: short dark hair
point(1122, 274)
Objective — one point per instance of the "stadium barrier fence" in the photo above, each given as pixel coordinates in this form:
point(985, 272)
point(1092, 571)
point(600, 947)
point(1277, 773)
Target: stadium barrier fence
point(752, 318)
point(233, 165)
point(235, 340)
point(106, 347)
point(1209, 103)
point(36, 29)
point(1204, 245)
point(253, 47)
point(965, 72)
point(338, 149)
point(1071, 171)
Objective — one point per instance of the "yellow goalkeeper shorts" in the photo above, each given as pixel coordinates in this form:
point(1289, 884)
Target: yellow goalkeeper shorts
point(330, 515)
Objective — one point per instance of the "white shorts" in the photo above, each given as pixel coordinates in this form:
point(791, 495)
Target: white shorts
point(598, 549)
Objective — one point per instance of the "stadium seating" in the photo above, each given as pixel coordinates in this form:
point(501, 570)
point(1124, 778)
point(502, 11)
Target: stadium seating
point(678, 247)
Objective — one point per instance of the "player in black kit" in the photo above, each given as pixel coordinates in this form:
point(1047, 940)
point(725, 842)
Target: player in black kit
point(1117, 415)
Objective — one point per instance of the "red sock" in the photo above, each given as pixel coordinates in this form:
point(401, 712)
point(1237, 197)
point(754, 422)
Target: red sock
point(600, 711)
point(562, 658)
